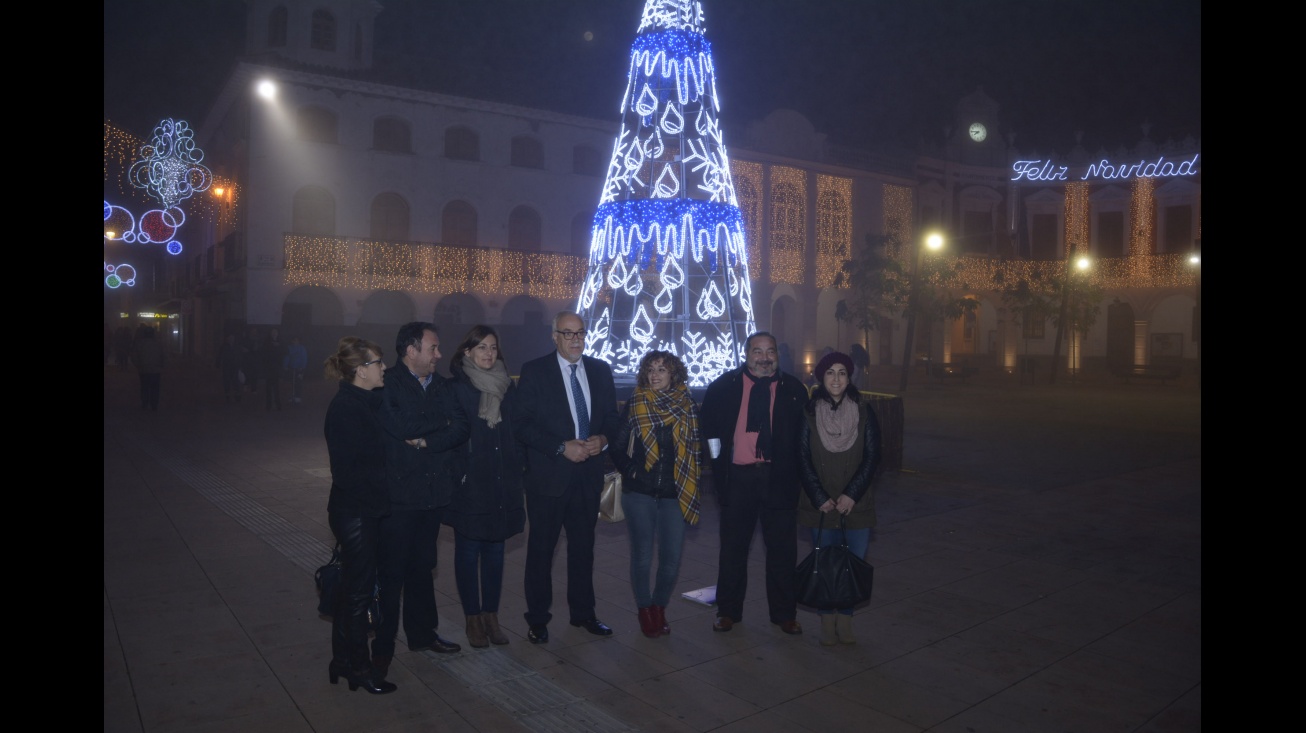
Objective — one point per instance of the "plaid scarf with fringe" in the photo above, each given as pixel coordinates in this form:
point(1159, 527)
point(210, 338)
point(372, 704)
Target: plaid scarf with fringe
point(651, 409)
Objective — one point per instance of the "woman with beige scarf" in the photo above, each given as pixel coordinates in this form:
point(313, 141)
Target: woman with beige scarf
point(657, 453)
point(487, 504)
point(839, 450)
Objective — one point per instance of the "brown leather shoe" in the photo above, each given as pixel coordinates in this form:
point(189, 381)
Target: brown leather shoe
point(791, 627)
point(723, 623)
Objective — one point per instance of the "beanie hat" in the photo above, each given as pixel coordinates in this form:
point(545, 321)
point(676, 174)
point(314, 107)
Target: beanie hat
point(829, 360)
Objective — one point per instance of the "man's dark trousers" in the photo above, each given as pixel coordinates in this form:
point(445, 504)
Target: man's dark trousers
point(739, 518)
point(577, 512)
point(405, 563)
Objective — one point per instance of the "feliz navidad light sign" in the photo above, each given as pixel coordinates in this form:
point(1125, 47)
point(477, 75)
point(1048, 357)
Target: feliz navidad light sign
point(1047, 171)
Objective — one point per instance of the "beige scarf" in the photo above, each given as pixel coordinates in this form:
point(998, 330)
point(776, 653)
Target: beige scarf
point(837, 428)
point(493, 384)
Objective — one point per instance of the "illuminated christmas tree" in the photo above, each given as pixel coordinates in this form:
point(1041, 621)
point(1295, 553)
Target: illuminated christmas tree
point(668, 268)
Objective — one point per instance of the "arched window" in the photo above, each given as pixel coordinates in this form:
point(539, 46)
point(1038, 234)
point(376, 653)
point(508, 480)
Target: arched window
point(317, 124)
point(313, 212)
point(392, 135)
point(458, 224)
point(581, 226)
point(527, 152)
point(524, 230)
point(586, 161)
point(278, 20)
point(389, 218)
point(322, 36)
point(461, 143)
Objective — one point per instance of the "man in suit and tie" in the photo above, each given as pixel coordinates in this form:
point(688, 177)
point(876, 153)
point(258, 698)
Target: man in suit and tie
point(568, 408)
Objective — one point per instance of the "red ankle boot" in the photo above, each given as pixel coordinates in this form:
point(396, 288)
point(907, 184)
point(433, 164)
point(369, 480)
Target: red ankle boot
point(647, 624)
point(660, 619)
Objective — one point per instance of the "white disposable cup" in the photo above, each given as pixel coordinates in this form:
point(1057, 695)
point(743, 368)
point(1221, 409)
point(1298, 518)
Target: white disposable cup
point(714, 447)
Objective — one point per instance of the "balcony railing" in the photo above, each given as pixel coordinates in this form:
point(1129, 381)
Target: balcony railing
point(423, 267)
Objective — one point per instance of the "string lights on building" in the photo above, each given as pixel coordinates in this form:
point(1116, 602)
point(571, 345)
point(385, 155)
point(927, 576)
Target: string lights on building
point(833, 227)
point(1141, 214)
point(788, 224)
point(668, 265)
point(748, 191)
point(897, 202)
point(342, 262)
point(1077, 213)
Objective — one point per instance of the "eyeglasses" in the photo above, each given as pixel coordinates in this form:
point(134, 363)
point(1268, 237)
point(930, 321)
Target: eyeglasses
point(571, 335)
point(369, 363)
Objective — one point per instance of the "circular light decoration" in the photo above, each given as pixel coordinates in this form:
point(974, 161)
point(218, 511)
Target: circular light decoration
point(668, 265)
point(174, 247)
point(119, 275)
point(169, 167)
point(119, 223)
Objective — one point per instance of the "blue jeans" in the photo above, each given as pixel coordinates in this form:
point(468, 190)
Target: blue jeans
point(478, 591)
point(859, 541)
point(647, 518)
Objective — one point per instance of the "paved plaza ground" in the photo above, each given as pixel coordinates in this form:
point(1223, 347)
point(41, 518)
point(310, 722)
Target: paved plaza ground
point(1038, 569)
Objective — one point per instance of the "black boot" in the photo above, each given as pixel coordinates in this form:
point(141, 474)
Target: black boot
point(369, 680)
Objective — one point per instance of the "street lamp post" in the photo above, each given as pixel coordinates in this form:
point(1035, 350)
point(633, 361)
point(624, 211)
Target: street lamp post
point(1195, 260)
point(933, 241)
point(1076, 345)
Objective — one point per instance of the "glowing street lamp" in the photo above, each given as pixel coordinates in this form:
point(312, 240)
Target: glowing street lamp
point(934, 242)
point(1076, 338)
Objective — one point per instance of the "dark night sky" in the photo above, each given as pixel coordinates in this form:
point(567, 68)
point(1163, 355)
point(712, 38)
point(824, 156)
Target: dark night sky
point(866, 72)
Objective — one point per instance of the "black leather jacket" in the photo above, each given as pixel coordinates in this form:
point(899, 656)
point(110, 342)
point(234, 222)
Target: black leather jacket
point(660, 482)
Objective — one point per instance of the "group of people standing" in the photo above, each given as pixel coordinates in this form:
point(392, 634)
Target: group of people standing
point(245, 362)
point(484, 455)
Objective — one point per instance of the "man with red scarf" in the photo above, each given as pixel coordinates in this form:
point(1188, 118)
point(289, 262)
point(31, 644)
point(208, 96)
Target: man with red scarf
point(755, 412)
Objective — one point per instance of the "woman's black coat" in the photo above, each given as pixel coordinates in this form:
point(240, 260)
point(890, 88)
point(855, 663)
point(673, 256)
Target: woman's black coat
point(487, 502)
point(356, 448)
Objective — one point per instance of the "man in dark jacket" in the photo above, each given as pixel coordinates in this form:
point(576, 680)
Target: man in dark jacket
point(426, 424)
point(567, 413)
point(272, 356)
point(750, 418)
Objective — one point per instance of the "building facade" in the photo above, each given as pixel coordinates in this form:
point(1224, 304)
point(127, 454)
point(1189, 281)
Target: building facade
point(354, 206)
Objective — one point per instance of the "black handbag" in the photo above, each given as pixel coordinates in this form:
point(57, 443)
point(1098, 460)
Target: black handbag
point(832, 576)
point(327, 580)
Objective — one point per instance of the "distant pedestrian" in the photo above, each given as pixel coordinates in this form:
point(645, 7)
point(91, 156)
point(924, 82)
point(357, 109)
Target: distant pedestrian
point(147, 355)
point(272, 357)
point(296, 362)
point(228, 362)
point(249, 358)
point(122, 346)
point(861, 361)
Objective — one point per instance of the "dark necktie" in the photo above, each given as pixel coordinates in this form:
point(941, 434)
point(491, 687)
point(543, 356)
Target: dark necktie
point(582, 412)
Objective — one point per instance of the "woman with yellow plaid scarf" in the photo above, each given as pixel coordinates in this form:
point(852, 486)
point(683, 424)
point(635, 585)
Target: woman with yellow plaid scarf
point(657, 452)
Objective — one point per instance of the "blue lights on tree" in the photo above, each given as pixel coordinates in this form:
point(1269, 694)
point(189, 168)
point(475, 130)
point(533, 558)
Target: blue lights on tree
point(668, 267)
